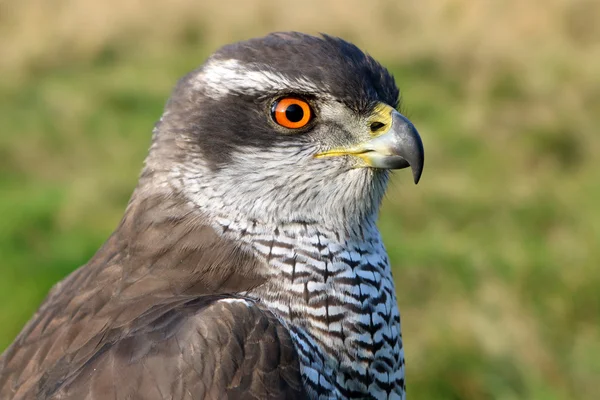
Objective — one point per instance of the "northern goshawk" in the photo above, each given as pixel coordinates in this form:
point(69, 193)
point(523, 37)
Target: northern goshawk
point(248, 264)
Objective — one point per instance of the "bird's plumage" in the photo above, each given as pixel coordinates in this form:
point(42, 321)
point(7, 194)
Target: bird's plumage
point(130, 324)
point(248, 263)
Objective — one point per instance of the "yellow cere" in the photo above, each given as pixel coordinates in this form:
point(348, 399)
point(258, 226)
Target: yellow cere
point(382, 114)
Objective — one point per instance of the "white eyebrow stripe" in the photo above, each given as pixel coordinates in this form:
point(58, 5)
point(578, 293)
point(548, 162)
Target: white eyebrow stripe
point(219, 78)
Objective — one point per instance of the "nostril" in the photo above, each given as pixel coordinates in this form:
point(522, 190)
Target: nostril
point(376, 126)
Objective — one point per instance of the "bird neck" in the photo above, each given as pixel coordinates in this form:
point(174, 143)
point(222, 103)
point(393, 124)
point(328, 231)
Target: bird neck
point(167, 213)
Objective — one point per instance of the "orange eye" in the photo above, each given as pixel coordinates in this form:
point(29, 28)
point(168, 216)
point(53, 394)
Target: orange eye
point(291, 112)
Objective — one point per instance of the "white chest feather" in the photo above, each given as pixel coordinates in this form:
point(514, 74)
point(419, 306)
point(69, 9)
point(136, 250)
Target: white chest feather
point(337, 297)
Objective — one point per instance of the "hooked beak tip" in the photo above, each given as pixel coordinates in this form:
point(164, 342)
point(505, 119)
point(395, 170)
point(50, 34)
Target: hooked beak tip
point(417, 174)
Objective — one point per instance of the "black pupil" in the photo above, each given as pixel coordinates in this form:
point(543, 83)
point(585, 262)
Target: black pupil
point(294, 113)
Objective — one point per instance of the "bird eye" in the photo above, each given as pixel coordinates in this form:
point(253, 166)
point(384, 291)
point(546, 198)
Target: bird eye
point(291, 112)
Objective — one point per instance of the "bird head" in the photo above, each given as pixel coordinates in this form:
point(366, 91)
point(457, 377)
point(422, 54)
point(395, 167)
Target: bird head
point(283, 128)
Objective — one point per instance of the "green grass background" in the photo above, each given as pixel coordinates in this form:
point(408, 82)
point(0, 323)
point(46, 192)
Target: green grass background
point(496, 252)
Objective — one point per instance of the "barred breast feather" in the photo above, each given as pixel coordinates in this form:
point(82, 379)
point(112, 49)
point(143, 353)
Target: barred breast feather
point(336, 295)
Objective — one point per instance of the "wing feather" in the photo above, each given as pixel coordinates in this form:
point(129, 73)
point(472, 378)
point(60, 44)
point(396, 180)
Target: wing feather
point(155, 315)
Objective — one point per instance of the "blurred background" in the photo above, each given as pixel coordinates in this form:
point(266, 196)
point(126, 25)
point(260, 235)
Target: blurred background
point(496, 252)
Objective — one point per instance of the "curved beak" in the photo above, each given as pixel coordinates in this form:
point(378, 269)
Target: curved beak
point(399, 147)
point(396, 145)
